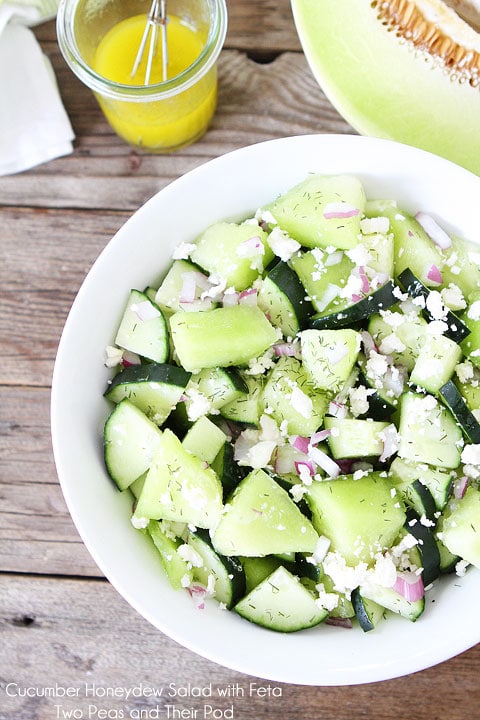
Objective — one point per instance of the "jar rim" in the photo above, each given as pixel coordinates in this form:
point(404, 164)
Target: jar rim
point(140, 93)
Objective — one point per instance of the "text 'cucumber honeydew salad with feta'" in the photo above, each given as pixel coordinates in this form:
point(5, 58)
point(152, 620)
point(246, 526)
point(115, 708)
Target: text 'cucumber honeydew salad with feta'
point(297, 410)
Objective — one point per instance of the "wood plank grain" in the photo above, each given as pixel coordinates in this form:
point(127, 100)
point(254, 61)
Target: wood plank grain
point(99, 641)
point(256, 102)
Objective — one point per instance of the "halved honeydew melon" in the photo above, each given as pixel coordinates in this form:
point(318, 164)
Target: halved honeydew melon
point(404, 70)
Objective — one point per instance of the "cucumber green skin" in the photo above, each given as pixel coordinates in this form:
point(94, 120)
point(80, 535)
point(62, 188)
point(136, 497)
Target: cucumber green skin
point(222, 337)
point(367, 612)
point(154, 388)
point(349, 315)
point(457, 330)
point(360, 517)
point(282, 298)
point(427, 546)
point(460, 410)
point(228, 471)
point(379, 408)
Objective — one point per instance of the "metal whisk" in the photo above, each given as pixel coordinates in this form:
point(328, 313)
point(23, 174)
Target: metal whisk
point(157, 18)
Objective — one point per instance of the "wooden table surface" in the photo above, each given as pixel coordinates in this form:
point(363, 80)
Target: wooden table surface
point(62, 626)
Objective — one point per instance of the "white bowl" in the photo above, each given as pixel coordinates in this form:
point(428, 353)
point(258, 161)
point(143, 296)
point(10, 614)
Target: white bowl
point(233, 186)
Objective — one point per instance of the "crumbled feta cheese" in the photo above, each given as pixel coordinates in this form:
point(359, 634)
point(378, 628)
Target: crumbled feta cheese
point(190, 555)
point(345, 577)
point(327, 601)
point(358, 398)
point(369, 226)
point(435, 306)
point(197, 403)
point(461, 568)
point(183, 251)
point(113, 356)
point(377, 365)
point(453, 298)
point(139, 523)
point(471, 455)
point(390, 344)
point(464, 371)
point(301, 402)
point(359, 255)
point(473, 311)
point(282, 244)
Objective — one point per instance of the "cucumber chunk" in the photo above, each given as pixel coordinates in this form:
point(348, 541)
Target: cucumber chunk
point(292, 399)
point(130, 442)
point(282, 298)
point(360, 517)
point(179, 487)
point(235, 253)
point(322, 210)
point(461, 527)
point(226, 572)
point(176, 568)
point(204, 439)
point(435, 363)
point(221, 337)
point(281, 603)
point(261, 519)
point(354, 438)
point(428, 432)
point(143, 329)
point(329, 356)
point(458, 407)
point(349, 313)
point(391, 600)
point(155, 388)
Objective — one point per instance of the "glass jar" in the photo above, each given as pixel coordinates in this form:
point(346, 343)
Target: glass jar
point(99, 40)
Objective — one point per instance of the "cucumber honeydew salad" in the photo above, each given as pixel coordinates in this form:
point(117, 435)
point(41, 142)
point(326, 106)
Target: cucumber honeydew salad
point(296, 410)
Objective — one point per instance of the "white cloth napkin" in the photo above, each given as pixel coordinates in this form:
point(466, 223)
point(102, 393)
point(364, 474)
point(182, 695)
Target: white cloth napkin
point(34, 126)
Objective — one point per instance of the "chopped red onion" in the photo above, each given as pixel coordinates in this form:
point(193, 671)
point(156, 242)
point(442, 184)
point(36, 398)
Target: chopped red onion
point(320, 436)
point(250, 247)
point(356, 297)
point(411, 587)
point(368, 342)
point(460, 487)
point(338, 210)
point(302, 466)
point(130, 358)
point(300, 443)
point(324, 461)
point(286, 348)
point(339, 622)
point(198, 594)
point(434, 274)
point(337, 409)
point(145, 310)
point(188, 290)
point(248, 297)
point(433, 230)
point(365, 282)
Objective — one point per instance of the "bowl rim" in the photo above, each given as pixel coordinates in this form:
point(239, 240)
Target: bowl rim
point(281, 658)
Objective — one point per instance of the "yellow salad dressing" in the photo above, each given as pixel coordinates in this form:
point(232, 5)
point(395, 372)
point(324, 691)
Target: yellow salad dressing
point(164, 124)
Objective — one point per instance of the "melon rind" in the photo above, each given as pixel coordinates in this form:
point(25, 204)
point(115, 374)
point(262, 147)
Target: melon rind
point(385, 88)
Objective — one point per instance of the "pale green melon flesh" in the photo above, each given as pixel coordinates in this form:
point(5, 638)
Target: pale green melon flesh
point(382, 86)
